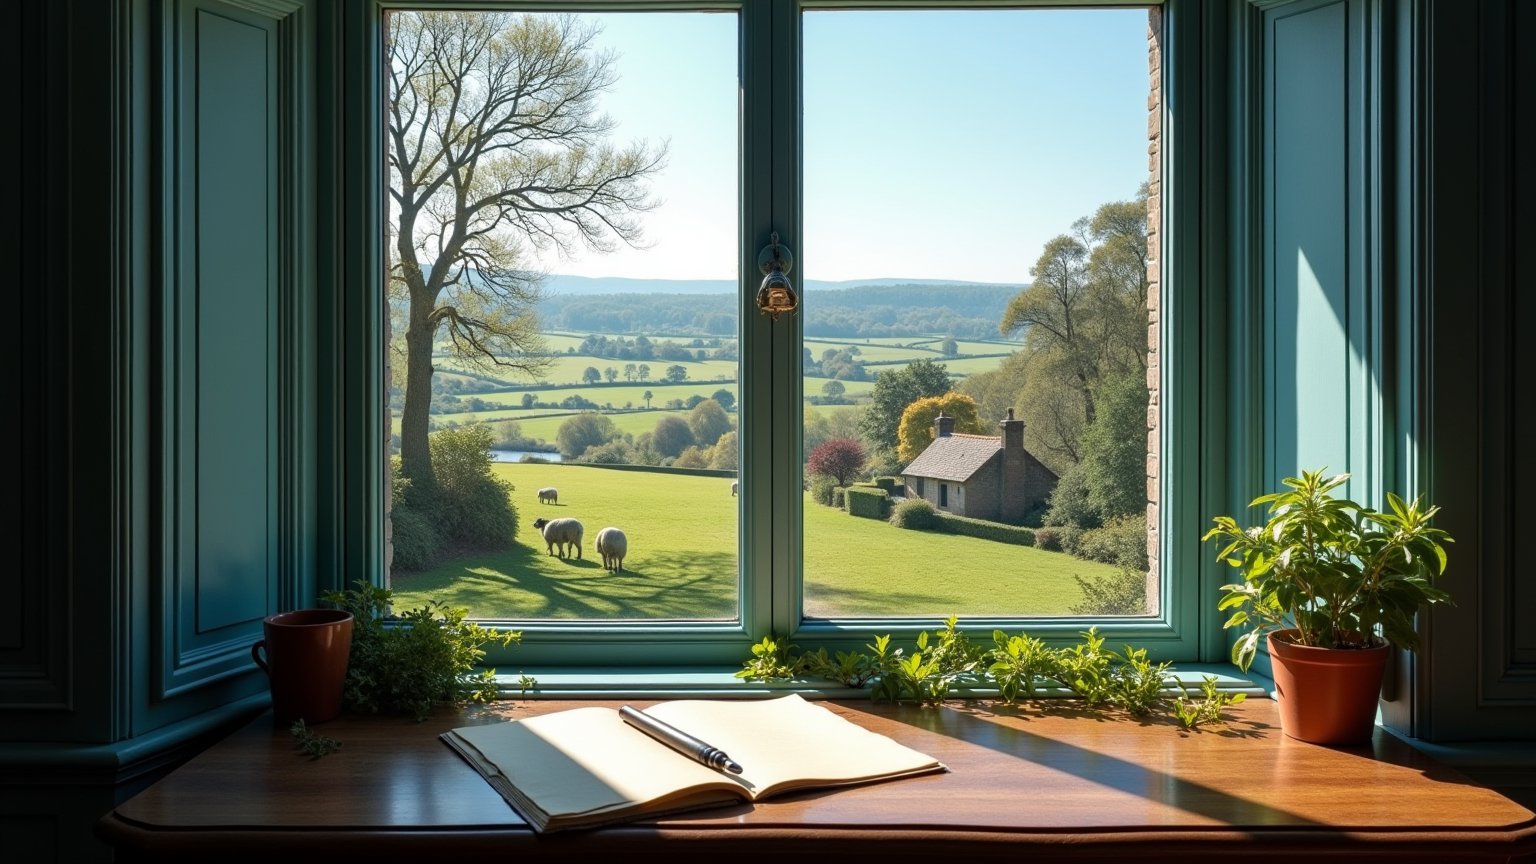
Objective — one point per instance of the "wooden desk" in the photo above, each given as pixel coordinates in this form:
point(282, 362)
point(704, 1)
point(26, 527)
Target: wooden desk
point(1025, 784)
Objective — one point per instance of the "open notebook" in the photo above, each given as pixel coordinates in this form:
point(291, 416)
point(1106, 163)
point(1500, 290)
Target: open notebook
point(586, 766)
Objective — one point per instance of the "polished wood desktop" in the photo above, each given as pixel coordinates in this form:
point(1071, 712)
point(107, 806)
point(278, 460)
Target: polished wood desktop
point(1040, 782)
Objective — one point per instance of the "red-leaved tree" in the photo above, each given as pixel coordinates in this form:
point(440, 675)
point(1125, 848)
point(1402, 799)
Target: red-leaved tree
point(840, 458)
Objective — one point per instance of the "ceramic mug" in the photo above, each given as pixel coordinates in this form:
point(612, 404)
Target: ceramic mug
point(306, 662)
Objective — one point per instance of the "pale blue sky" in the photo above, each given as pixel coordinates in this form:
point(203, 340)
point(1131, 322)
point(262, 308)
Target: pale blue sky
point(946, 145)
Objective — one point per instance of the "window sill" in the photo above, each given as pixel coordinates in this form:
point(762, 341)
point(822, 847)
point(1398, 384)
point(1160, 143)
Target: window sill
point(721, 683)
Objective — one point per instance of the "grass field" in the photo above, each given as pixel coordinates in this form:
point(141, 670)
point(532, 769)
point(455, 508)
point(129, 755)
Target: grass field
point(682, 560)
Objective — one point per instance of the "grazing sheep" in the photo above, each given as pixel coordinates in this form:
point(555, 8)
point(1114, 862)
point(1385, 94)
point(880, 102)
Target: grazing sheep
point(548, 495)
point(560, 532)
point(612, 544)
point(735, 485)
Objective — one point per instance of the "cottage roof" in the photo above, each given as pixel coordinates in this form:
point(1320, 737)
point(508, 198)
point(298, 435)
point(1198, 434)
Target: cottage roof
point(955, 457)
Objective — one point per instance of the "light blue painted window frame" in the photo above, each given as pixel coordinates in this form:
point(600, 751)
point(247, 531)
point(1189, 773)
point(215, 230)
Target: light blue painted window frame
point(1195, 345)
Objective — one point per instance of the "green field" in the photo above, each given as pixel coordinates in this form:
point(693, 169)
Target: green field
point(682, 559)
point(631, 422)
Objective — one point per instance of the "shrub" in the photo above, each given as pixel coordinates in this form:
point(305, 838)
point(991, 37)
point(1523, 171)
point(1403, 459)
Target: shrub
point(1057, 538)
point(869, 502)
point(414, 539)
point(997, 531)
point(840, 497)
point(1122, 542)
point(889, 484)
point(1124, 593)
point(821, 489)
point(915, 514)
point(1069, 501)
point(474, 506)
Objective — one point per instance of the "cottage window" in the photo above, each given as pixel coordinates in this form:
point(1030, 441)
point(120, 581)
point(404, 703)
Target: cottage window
point(720, 440)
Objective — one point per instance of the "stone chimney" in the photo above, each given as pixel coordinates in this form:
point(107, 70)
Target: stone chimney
point(1015, 479)
point(1013, 433)
point(944, 426)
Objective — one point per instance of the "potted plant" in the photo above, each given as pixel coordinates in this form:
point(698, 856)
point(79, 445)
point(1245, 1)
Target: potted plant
point(1333, 584)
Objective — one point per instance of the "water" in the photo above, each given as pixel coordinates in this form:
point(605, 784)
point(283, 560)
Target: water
point(517, 455)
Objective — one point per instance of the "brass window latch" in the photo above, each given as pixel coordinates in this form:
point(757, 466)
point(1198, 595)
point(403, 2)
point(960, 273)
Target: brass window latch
point(777, 295)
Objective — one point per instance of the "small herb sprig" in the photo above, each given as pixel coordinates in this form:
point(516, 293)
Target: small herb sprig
point(312, 744)
point(1191, 712)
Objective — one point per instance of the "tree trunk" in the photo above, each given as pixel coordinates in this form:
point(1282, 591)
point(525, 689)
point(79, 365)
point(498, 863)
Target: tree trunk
point(415, 454)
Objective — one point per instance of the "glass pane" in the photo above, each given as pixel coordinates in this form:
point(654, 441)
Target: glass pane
point(977, 310)
point(563, 247)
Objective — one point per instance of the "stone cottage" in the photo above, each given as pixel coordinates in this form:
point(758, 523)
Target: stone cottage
point(980, 476)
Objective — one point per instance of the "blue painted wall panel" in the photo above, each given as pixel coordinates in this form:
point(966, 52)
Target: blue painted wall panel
point(1308, 297)
point(234, 323)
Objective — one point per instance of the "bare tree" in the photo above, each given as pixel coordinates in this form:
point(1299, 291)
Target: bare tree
point(495, 141)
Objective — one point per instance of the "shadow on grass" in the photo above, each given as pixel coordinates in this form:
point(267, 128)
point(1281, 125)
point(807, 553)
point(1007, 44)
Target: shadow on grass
point(522, 583)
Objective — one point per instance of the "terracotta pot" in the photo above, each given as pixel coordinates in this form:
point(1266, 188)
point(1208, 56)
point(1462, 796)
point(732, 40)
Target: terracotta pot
point(1327, 695)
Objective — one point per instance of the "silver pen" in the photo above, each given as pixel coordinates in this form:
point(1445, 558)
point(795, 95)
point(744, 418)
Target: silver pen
point(679, 740)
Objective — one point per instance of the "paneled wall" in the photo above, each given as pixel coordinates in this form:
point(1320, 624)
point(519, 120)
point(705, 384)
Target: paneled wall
point(161, 345)
point(1476, 107)
point(1317, 304)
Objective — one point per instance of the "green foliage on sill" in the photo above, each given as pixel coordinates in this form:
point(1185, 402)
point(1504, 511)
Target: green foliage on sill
point(1018, 666)
point(415, 661)
point(1191, 712)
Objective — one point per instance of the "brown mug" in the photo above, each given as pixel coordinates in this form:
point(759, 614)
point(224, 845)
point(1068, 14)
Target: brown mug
point(306, 662)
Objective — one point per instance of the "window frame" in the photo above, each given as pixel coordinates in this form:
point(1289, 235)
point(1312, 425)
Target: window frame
point(1193, 352)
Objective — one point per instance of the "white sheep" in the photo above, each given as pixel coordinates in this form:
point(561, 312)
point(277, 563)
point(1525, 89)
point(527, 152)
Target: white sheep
point(612, 545)
point(560, 532)
point(735, 486)
point(548, 495)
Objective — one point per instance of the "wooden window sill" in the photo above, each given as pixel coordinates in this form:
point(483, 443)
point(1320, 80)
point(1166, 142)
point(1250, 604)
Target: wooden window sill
point(1041, 782)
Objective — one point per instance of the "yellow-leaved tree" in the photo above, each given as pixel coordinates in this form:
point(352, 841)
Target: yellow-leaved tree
point(916, 430)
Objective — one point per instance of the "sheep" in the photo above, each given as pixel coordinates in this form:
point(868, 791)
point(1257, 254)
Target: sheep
point(612, 544)
point(548, 495)
point(560, 532)
point(735, 486)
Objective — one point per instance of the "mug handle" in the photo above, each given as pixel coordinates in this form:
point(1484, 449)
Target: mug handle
point(256, 655)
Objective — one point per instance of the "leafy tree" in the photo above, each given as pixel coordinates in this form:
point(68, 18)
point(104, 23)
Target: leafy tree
point(672, 436)
point(916, 430)
point(692, 457)
point(611, 374)
point(894, 391)
point(725, 397)
point(822, 426)
point(841, 459)
point(587, 429)
point(677, 374)
point(833, 390)
point(629, 372)
point(644, 369)
point(692, 401)
point(1086, 310)
point(647, 397)
point(949, 347)
point(1115, 449)
point(494, 139)
point(708, 421)
point(725, 455)
point(529, 399)
point(590, 375)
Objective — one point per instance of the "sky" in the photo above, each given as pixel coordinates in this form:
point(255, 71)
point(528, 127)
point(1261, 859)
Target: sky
point(937, 144)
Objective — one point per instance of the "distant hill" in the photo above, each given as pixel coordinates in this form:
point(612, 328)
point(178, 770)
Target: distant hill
point(860, 308)
point(565, 285)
